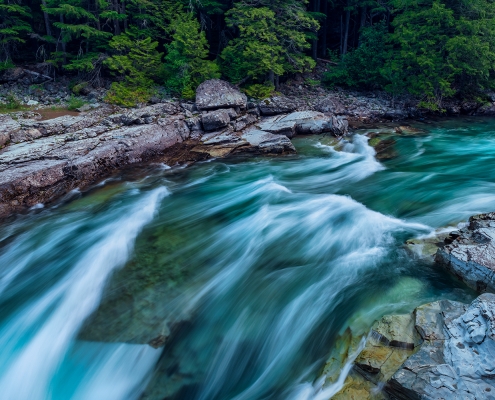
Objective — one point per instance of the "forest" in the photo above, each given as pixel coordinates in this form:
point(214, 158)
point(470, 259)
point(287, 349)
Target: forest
point(433, 49)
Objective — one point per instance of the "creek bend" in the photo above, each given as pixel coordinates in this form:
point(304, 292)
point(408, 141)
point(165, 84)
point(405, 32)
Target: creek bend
point(240, 273)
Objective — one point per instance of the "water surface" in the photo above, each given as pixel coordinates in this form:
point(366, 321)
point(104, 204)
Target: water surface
point(240, 273)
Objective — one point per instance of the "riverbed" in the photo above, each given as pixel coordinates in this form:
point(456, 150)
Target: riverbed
point(231, 279)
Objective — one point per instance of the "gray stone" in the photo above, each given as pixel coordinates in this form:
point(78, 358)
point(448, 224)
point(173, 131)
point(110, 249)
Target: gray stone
point(457, 357)
point(215, 120)
point(8, 127)
point(32, 103)
point(304, 122)
point(215, 93)
point(470, 255)
point(277, 105)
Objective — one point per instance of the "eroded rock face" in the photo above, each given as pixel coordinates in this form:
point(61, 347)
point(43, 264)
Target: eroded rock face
point(470, 253)
point(456, 360)
point(215, 93)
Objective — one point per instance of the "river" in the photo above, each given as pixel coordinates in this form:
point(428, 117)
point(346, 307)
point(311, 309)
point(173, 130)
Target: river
point(241, 273)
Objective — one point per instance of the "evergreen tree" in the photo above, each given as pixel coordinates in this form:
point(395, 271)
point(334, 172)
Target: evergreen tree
point(135, 62)
point(187, 63)
point(14, 26)
point(271, 41)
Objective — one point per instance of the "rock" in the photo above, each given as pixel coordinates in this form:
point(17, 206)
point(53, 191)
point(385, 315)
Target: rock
point(456, 359)
point(384, 147)
point(215, 120)
point(470, 255)
point(12, 75)
point(268, 143)
point(215, 93)
point(392, 341)
point(32, 103)
point(304, 122)
point(8, 127)
point(244, 121)
point(223, 143)
point(83, 108)
point(277, 105)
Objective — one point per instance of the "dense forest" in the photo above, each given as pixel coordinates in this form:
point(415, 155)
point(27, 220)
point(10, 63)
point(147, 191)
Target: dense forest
point(434, 49)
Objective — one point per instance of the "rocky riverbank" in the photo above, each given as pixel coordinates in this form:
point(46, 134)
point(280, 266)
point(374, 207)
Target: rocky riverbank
point(44, 159)
point(442, 350)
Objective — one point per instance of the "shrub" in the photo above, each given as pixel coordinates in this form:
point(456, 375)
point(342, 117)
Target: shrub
point(12, 102)
point(258, 91)
point(127, 96)
point(75, 102)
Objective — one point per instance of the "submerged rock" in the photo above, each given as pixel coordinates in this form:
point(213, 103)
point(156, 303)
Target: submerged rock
point(384, 146)
point(215, 93)
point(470, 253)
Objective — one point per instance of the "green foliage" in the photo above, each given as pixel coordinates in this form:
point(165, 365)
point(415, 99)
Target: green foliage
point(259, 91)
point(135, 62)
point(14, 26)
point(187, 63)
point(76, 89)
point(272, 39)
point(362, 67)
point(75, 102)
point(11, 102)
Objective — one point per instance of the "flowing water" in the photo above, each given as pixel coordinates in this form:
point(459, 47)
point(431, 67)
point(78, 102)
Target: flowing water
point(240, 273)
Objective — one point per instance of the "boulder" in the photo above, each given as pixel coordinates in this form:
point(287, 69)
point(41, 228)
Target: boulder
point(470, 253)
point(277, 105)
point(215, 120)
point(223, 143)
point(456, 359)
point(304, 122)
point(215, 93)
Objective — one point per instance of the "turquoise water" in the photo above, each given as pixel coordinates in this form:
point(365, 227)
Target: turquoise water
point(240, 273)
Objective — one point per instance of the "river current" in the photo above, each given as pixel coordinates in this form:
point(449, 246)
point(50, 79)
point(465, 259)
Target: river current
point(240, 273)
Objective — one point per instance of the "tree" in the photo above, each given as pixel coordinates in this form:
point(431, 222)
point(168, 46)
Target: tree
point(363, 66)
point(272, 38)
point(13, 28)
point(187, 63)
point(135, 62)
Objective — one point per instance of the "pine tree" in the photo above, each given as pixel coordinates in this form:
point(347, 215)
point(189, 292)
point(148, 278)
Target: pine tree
point(187, 63)
point(14, 26)
point(272, 39)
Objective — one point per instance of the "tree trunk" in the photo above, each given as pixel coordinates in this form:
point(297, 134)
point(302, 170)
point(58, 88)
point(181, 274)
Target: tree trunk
point(324, 30)
point(271, 77)
point(116, 25)
point(362, 24)
point(47, 20)
point(64, 49)
point(123, 12)
point(346, 32)
point(314, 44)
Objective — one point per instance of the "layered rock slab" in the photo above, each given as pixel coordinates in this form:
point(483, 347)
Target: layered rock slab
point(470, 253)
point(304, 122)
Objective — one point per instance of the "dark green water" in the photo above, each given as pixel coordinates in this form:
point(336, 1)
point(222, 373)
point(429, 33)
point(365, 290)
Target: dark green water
point(241, 272)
